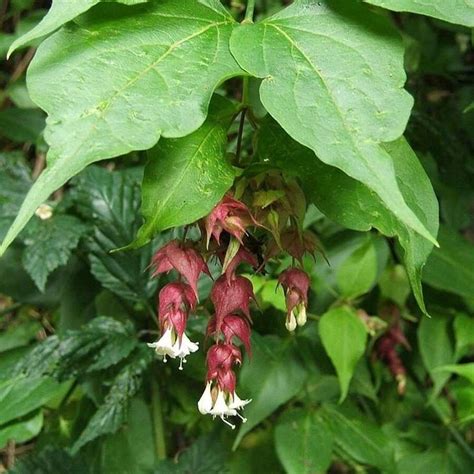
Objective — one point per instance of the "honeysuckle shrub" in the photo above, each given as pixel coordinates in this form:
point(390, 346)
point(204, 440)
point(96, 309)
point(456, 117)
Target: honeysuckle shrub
point(237, 236)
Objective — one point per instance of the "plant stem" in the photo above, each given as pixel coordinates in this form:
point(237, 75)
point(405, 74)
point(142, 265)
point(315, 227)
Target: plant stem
point(249, 11)
point(158, 425)
point(240, 135)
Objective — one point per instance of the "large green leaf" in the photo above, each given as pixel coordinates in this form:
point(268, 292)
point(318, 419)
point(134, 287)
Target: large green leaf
point(186, 177)
point(61, 12)
point(120, 80)
point(343, 336)
point(353, 204)
point(271, 378)
point(455, 11)
point(451, 267)
point(303, 442)
point(333, 79)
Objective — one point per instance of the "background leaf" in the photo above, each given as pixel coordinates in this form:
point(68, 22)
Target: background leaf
point(451, 267)
point(112, 202)
point(49, 244)
point(343, 336)
point(461, 13)
point(273, 377)
point(303, 442)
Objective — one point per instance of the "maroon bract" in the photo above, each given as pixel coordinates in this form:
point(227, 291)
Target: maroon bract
point(184, 259)
point(232, 326)
point(175, 301)
point(242, 256)
point(229, 215)
point(231, 296)
point(295, 283)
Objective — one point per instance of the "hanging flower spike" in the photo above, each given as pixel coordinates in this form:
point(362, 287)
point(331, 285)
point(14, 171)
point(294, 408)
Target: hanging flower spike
point(233, 325)
point(231, 296)
point(175, 302)
point(219, 397)
point(295, 283)
point(229, 215)
point(182, 258)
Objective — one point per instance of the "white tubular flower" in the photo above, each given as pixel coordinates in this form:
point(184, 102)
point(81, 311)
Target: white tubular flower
point(165, 346)
point(222, 410)
point(237, 403)
point(205, 402)
point(291, 322)
point(184, 348)
point(301, 317)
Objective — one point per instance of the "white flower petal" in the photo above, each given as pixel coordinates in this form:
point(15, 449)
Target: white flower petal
point(221, 408)
point(301, 317)
point(165, 346)
point(237, 403)
point(205, 402)
point(291, 322)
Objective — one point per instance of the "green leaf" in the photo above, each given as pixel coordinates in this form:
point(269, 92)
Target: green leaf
point(186, 177)
point(49, 460)
point(113, 412)
point(21, 125)
point(355, 205)
point(111, 201)
point(451, 267)
point(61, 12)
point(394, 284)
point(464, 334)
point(343, 336)
point(303, 443)
point(98, 345)
point(19, 335)
point(122, 79)
point(360, 439)
point(435, 348)
point(21, 431)
point(49, 244)
point(357, 275)
point(333, 79)
point(272, 377)
point(453, 11)
point(21, 395)
point(464, 370)
point(15, 180)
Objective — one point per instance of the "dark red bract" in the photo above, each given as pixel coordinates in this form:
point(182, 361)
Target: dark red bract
point(296, 284)
point(184, 259)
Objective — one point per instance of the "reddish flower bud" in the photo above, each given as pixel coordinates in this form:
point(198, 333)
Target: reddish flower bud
point(184, 259)
point(229, 215)
point(296, 284)
point(230, 296)
point(175, 302)
point(294, 243)
point(232, 326)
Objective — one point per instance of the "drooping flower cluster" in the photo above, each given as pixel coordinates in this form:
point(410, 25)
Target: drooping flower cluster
point(387, 352)
point(225, 235)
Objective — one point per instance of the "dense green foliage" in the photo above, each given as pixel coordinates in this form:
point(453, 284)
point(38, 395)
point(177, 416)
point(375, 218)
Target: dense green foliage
point(124, 122)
